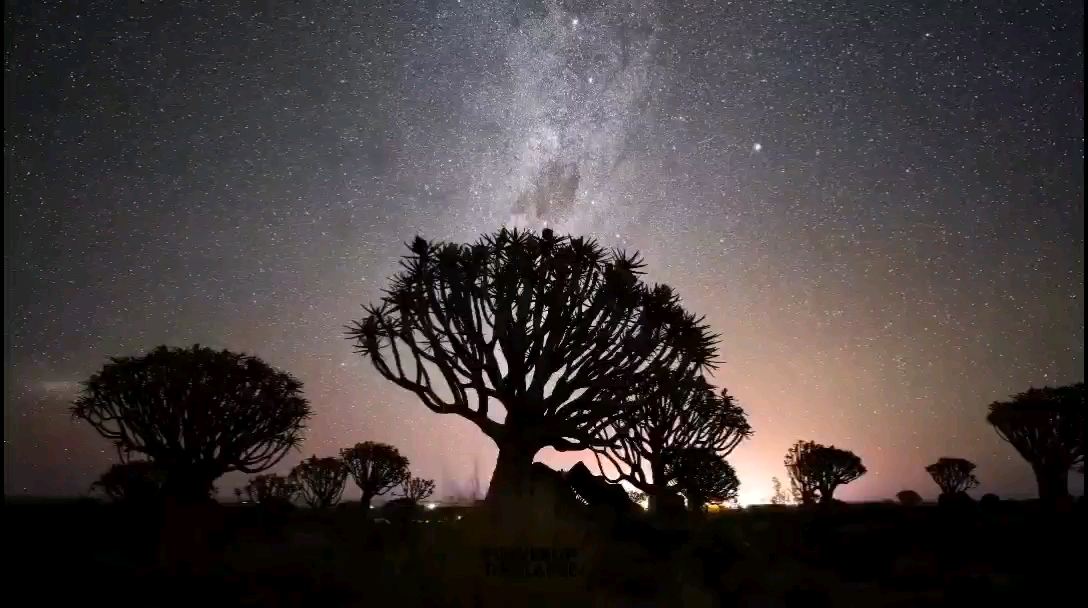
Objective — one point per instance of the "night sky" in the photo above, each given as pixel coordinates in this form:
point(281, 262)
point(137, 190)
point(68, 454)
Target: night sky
point(878, 205)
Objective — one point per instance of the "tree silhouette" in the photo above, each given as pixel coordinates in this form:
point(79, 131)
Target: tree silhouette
point(375, 467)
point(953, 475)
point(779, 497)
point(320, 481)
point(197, 413)
point(136, 481)
point(1046, 426)
point(417, 489)
point(555, 331)
point(909, 498)
point(680, 413)
point(272, 490)
point(817, 470)
point(703, 477)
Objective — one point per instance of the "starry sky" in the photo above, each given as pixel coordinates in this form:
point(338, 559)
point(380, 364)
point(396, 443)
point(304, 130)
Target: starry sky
point(878, 205)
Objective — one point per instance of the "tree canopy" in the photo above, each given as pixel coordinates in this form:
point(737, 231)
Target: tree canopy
point(1046, 426)
point(703, 477)
point(953, 475)
point(679, 413)
point(537, 340)
point(136, 481)
point(817, 470)
point(197, 413)
point(320, 481)
point(417, 489)
point(272, 490)
point(376, 468)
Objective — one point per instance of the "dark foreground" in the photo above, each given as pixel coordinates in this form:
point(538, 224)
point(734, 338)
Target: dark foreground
point(852, 555)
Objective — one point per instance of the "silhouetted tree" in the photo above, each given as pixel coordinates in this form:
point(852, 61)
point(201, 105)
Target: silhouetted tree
point(817, 470)
point(779, 497)
point(703, 477)
point(272, 490)
point(909, 498)
point(555, 330)
point(320, 481)
point(1046, 426)
point(136, 481)
point(953, 475)
point(197, 413)
point(417, 489)
point(677, 414)
point(375, 467)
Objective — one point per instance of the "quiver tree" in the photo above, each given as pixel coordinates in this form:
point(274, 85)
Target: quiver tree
point(196, 413)
point(678, 414)
point(1046, 426)
point(537, 340)
point(133, 482)
point(703, 477)
point(417, 489)
point(375, 467)
point(816, 470)
point(320, 481)
point(272, 490)
point(953, 475)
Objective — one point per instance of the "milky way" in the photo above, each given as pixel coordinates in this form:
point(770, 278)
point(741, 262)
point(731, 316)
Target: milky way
point(879, 206)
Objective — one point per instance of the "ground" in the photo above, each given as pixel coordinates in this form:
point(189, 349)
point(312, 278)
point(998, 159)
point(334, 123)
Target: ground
point(848, 555)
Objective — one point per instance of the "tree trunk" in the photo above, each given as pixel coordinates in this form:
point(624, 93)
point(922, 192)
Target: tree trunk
point(1053, 482)
point(187, 488)
point(365, 501)
point(827, 495)
point(511, 479)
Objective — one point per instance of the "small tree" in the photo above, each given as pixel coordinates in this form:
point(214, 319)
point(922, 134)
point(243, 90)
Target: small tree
point(779, 497)
point(320, 481)
point(272, 490)
point(909, 498)
point(703, 477)
point(136, 481)
point(953, 475)
point(549, 333)
point(417, 489)
point(196, 413)
point(376, 468)
point(818, 470)
point(679, 413)
point(1046, 426)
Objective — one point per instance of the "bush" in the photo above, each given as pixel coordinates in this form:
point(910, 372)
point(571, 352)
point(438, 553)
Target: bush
point(909, 498)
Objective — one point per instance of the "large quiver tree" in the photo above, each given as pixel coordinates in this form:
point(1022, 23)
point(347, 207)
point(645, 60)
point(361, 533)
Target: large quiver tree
point(817, 470)
point(1046, 426)
point(196, 413)
point(953, 475)
point(376, 468)
point(320, 481)
point(535, 339)
point(680, 413)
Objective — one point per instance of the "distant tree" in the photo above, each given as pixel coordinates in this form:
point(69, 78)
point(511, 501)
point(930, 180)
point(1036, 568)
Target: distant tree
point(1046, 426)
point(989, 501)
point(197, 413)
point(376, 468)
point(953, 475)
point(136, 481)
point(703, 477)
point(272, 490)
point(909, 498)
point(555, 330)
point(320, 481)
point(818, 470)
point(779, 497)
point(417, 489)
point(679, 413)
